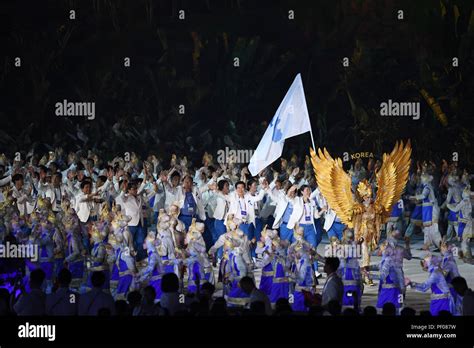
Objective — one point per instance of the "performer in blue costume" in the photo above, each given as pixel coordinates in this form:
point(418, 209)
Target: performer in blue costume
point(389, 286)
point(113, 248)
point(281, 283)
point(238, 268)
point(395, 221)
point(429, 212)
point(59, 248)
point(464, 210)
point(98, 258)
point(441, 299)
point(153, 272)
point(265, 256)
point(415, 220)
point(195, 269)
point(74, 253)
point(303, 275)
point(349, 271)
point(46, 250)
point(127, 271)
point(450, 271)
point(166, 247)
point(453, 198)
point(196, 245)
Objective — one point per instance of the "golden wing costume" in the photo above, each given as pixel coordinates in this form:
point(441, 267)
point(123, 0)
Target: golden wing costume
point(357, 209)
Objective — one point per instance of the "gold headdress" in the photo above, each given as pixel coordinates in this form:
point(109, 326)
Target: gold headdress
point(161, 213)
point(298, 247)
point(364, 189)
point(150, 237)
point(105, 211)
point(40, 203)
point(173, 160)
point(179, 226)
point(43, 160)
point(200, 227)
point(51, 218)
point(334, 241)
point(95, 233)
point(192, 227)
point(383, 247)
point(115, 208)
point(298, 232)
point(52, 156)
point(207, 159)
point(174, 209)
point(466, 193)
point(276, 243)
point(231, 224)
point(65, 205)
point(432, 260)
point(8, 199)
point(445, 245)
point(347, 235)
point(133, 158)
point(193, 232)
point(112, 240)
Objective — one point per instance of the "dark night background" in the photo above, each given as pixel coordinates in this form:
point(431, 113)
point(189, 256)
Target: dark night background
point(190, 62)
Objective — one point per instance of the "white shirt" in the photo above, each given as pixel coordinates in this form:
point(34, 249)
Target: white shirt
point(55, 195)
point(119, 200)
point(281, 200)
point(222, 206)
point(243, 212)
point(133, 208)
point(197, 196)
point(299, 212)
point(307, 217)
point(171, 194)
point(83, 207)
point(23, 201)
point(244, 208)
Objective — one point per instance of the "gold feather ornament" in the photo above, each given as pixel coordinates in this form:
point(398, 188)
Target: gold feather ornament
point(359, 210)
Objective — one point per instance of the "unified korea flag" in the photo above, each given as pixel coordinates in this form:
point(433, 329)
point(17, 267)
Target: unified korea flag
point(291, 118)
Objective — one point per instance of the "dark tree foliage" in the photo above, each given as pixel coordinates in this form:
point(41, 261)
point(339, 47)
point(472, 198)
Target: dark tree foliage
point(191, 62)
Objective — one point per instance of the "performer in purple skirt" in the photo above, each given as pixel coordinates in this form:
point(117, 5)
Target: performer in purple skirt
point(441, 299)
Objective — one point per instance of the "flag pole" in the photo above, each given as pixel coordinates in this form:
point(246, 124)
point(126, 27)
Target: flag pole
point(309, 119)
point(312, 139)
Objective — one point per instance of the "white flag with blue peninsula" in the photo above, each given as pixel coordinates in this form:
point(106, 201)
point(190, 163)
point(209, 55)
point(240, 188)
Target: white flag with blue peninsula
point(291, 118)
